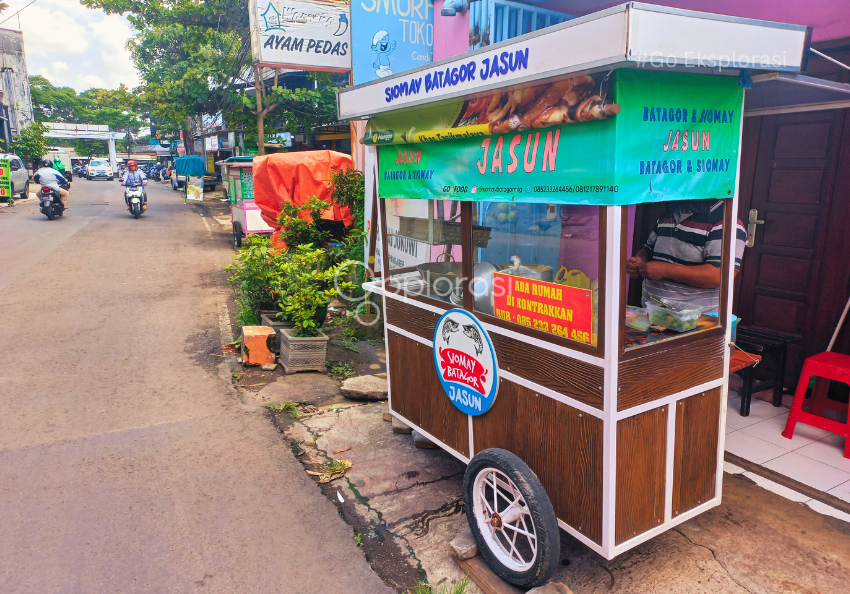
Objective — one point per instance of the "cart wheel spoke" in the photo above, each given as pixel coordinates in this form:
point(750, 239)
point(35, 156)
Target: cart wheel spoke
point(486, 505)
point(520, 531)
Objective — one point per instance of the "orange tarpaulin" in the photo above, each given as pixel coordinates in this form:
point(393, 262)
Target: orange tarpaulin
point(297, 177)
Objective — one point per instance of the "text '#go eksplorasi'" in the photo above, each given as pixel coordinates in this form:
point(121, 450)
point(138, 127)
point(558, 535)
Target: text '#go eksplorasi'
point(498, 65)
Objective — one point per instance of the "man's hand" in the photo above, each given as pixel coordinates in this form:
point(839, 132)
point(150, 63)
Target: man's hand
point(653, 270)
point(633, 265)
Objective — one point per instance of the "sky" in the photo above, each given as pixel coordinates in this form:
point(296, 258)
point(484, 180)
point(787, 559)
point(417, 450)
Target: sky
point(73, 46)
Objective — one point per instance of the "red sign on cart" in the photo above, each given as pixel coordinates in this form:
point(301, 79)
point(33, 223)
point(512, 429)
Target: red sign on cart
point(550, 307)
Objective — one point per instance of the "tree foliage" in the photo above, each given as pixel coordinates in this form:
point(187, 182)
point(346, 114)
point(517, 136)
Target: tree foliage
point(194, 59)
point(31, 142)
point(120, 108)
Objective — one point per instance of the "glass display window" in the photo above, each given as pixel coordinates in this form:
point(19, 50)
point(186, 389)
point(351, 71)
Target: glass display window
point(674, 268)
point(540, 267)
point(424, 250)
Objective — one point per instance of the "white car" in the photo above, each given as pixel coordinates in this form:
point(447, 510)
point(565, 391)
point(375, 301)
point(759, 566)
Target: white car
point(18, 173)
point(99, 168)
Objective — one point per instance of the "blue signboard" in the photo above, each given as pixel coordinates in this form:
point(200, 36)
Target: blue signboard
point(390, 36)
point(466, 361)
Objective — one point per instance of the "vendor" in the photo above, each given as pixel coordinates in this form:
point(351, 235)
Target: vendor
point(681, 259)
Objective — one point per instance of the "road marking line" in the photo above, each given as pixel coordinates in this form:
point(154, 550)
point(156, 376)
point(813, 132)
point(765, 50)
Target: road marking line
point(204, 219)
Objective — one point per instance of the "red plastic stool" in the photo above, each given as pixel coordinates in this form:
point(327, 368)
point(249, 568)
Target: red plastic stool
point(824, 366)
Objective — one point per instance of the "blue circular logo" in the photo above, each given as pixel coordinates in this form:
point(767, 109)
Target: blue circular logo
point(466, 362)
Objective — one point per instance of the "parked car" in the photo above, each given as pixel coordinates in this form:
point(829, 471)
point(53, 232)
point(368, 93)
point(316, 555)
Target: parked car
point(18, 173)
point(99, 168)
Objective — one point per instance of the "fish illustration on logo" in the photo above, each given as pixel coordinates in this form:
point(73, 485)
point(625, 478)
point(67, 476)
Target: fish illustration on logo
point(448, 327)
point(471, 331)
point(342, 26)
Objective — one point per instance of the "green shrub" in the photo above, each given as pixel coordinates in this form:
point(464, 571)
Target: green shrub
point(250, 276)
point(304, 284)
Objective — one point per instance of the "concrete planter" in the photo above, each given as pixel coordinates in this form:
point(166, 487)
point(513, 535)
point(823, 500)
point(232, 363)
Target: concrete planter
point(302, 353)
point(272, 322)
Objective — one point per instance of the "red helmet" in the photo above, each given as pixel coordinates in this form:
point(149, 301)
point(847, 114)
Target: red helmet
point(131, 165)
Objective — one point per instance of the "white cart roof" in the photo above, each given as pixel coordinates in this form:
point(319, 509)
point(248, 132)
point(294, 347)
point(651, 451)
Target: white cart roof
point(629, 35)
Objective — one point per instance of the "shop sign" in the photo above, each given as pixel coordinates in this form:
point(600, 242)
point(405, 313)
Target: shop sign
point(246, 177)
point(211, 143)
point(283, 139)
point(195, 189)
point(549, 307)
point(674, 136)
point(389, 37)
point(303, 35)
point(466, 362)
point(5, 179)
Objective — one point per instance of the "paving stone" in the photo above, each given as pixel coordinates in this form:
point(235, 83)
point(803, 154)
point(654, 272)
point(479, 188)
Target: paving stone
point(420, 441)
point(463, 545)
point(399, 427)
point(365, 387)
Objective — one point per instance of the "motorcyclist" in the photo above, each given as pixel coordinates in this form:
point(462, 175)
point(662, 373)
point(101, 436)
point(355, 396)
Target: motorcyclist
point(48, 177)
point(58, 166)
point(134, 177)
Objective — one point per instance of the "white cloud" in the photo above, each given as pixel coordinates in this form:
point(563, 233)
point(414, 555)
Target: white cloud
point(92, 81)
point(74, 46)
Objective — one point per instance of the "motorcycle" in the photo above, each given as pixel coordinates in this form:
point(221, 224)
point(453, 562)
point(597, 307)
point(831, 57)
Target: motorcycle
point(51, 203)
point(135, 196)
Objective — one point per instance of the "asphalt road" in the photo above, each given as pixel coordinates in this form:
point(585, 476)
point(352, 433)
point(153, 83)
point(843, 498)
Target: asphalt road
point(126, 462)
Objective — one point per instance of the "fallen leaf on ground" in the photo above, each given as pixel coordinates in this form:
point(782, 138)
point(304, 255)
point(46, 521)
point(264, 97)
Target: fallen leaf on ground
point(326, 477)
point(345, 449)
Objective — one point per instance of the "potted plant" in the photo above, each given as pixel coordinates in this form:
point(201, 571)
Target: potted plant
point(306, 286)
point(251, 275)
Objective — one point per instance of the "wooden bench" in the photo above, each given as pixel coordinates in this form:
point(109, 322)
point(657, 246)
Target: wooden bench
point(743, 363)
point(771, 345)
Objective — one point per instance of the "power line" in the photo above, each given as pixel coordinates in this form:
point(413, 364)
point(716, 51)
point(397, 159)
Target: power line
point(17, 13)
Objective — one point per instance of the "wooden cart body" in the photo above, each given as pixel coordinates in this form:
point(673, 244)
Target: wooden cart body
point(627, 442)
point(238, 179)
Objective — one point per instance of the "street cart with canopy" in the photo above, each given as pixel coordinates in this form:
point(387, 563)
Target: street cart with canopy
point(245, 216)
point(508, 183)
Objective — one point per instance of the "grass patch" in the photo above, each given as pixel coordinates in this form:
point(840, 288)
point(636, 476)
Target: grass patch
point(339, 371)
point(287, 406)
point(453, 588)
point(335, 466)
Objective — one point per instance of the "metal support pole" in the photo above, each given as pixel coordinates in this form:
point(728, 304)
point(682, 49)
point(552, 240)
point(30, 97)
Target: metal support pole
point(113, 157)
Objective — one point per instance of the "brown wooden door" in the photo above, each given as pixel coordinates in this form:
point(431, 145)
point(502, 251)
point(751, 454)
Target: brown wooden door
point(792, 180)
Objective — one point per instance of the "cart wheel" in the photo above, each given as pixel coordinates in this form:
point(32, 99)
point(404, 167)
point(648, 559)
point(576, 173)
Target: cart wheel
point(237, 235)
point(511, 517)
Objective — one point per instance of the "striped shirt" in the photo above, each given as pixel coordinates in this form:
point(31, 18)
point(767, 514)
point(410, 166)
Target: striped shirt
point(690, 239)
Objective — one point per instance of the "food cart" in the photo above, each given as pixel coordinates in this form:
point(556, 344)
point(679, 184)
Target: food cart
point(514, 175)
point(245, 215)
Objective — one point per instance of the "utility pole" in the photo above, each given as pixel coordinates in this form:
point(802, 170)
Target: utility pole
point(259, 86)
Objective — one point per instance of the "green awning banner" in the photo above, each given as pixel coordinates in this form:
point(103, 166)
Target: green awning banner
point(676, 137)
